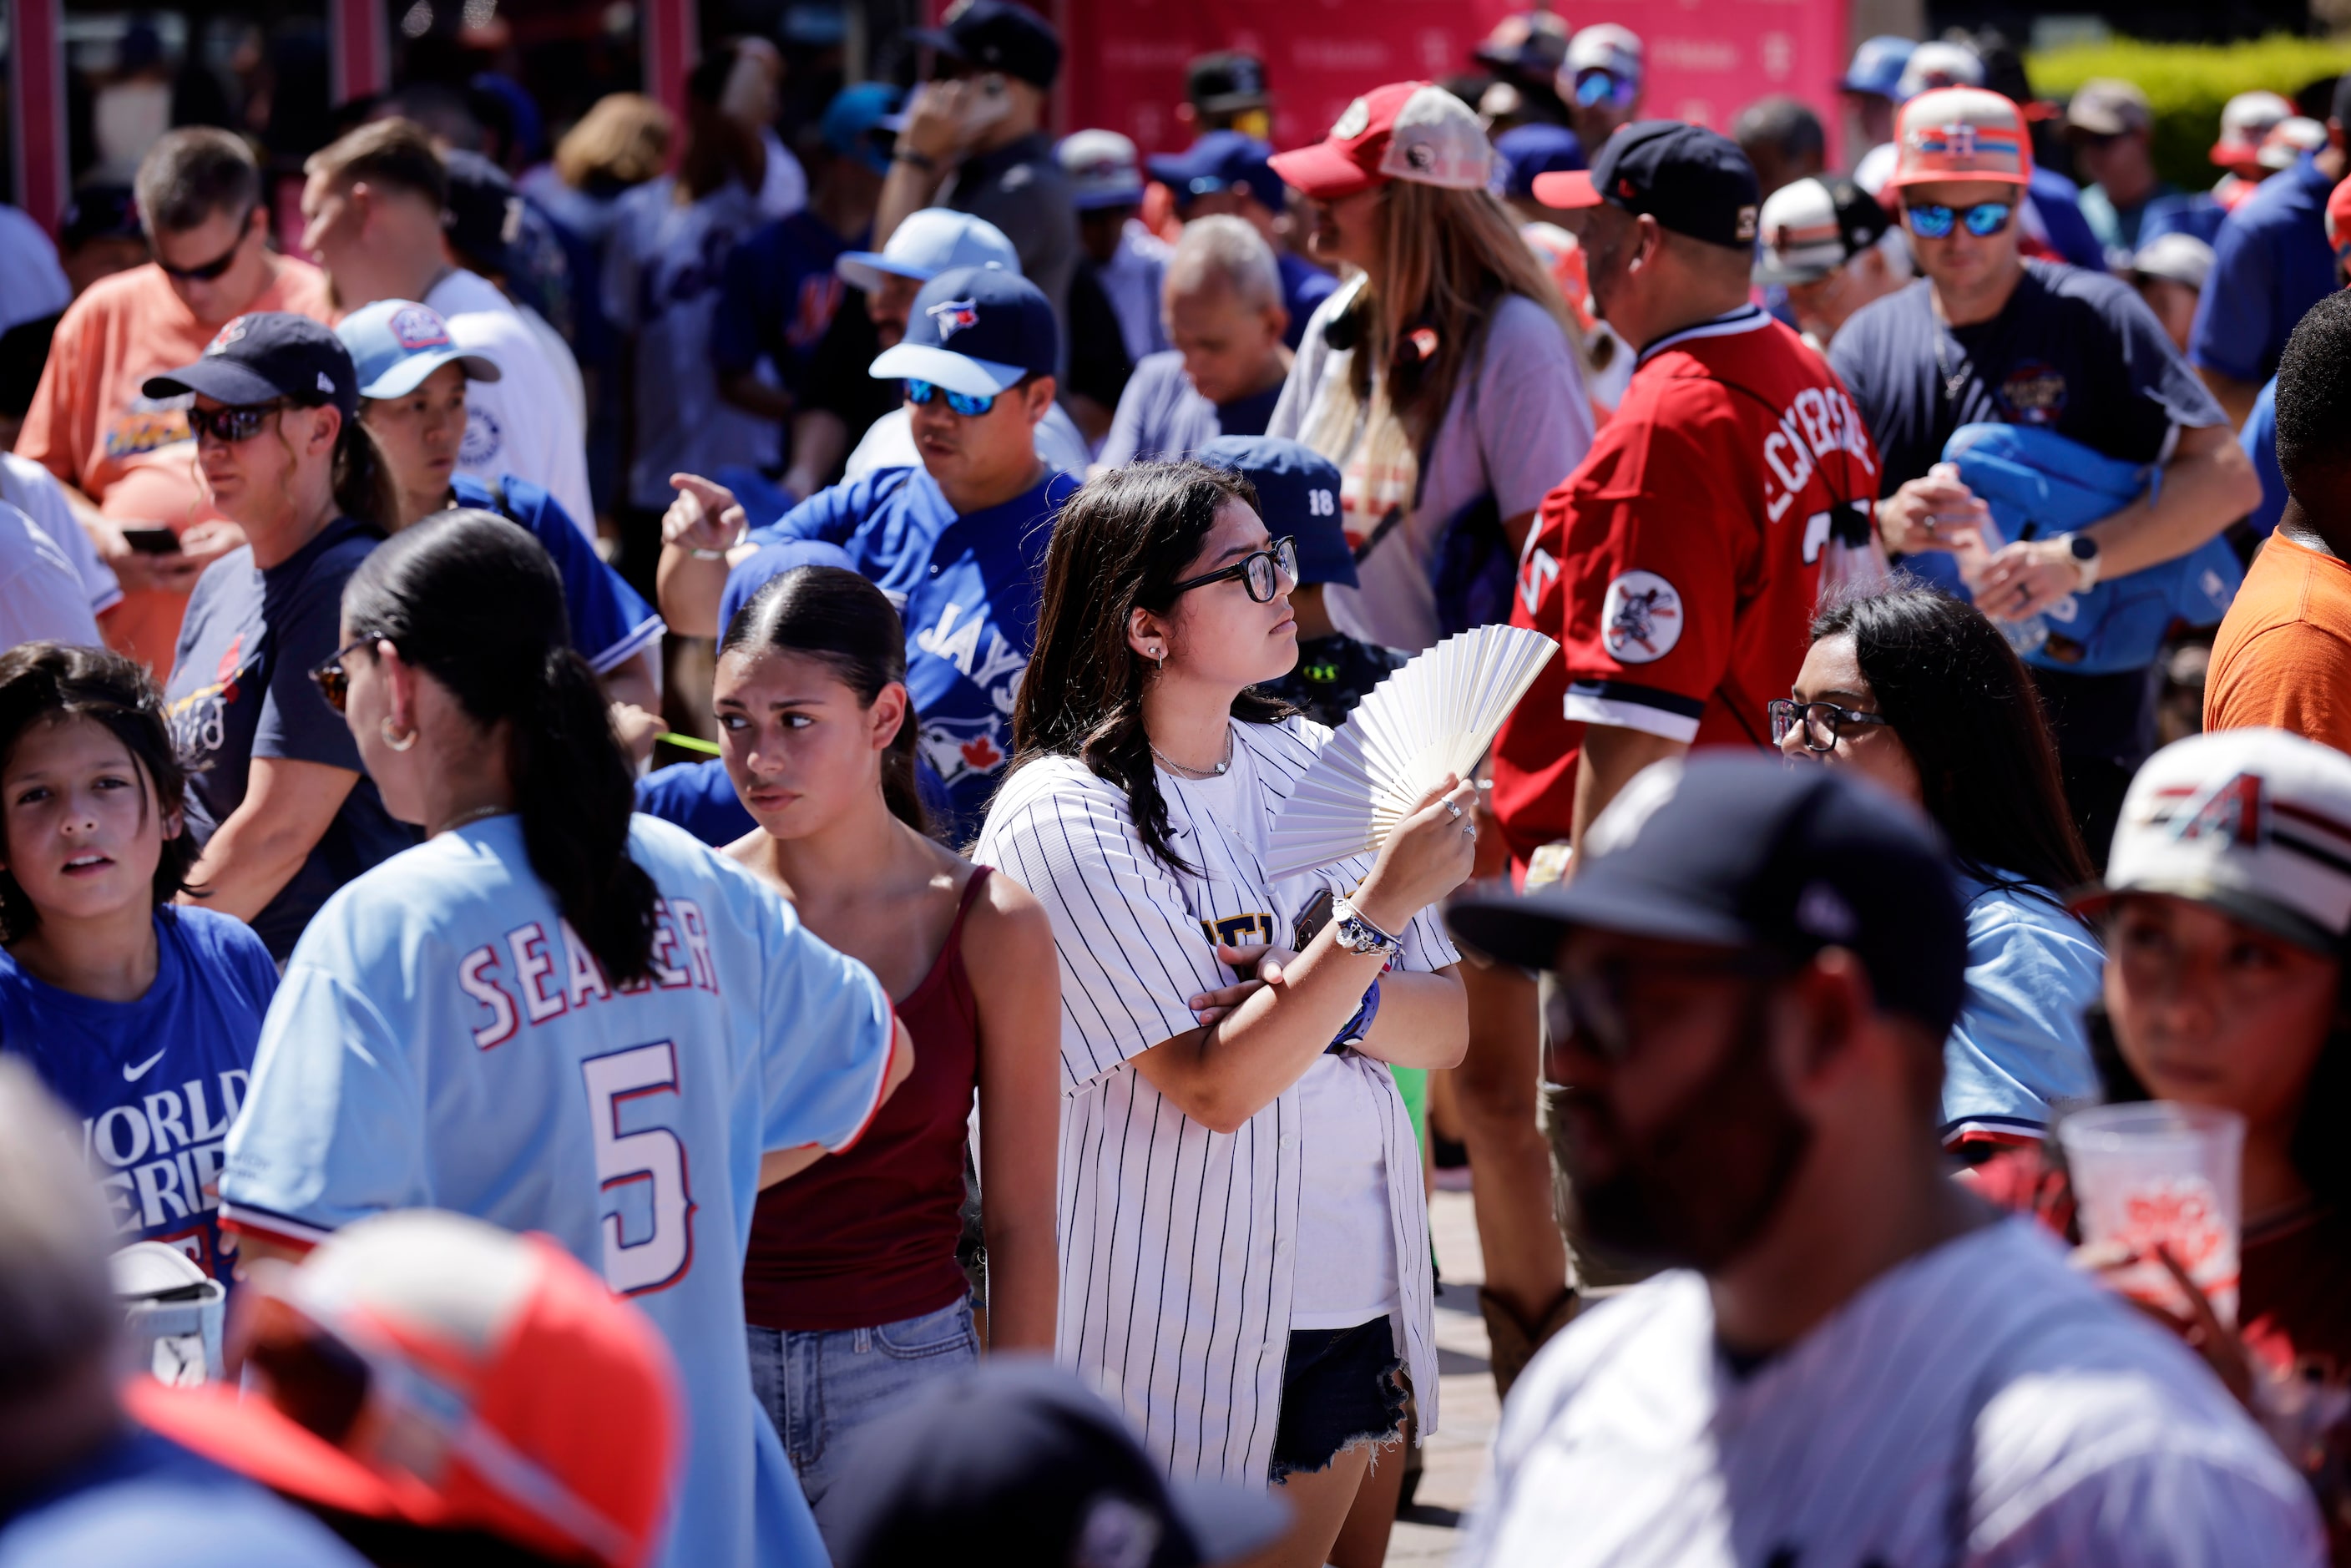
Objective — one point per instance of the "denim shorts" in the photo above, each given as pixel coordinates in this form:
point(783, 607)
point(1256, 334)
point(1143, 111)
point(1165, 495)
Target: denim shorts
point(1339, 1388)
point(818, 1386)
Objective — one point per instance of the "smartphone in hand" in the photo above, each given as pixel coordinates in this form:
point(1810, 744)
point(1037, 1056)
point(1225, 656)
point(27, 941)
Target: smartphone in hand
point(153, 540)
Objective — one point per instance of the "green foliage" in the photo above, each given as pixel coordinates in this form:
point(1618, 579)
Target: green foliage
point(2187, 83)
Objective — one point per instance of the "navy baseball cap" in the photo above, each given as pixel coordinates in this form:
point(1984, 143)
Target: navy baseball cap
point(998, 35)
point(763, 566)
point(1297, 495)
point(1526, 151)
point(1734, 850)
point(976, 330)
point(1219, 161)
point(1693, 181)
point(396, 343)
point(1020, 1455)
point(484, 213)
point(264, 356)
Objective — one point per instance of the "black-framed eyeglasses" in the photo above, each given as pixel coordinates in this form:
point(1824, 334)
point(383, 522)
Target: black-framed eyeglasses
point(1932, 220)
point(231, 425)
point(205, 272)
point(1822, 722)
point(1591, 1010)
point(1256, 571)
point(334, 682)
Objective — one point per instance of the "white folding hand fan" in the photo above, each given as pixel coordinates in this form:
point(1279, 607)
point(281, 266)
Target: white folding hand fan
point(1435, 715)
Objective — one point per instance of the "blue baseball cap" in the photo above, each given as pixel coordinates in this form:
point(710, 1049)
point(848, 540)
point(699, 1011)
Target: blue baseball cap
point(1877, 65)
point(1527, 150)
point(852, 117)
point(265, 355)
point(976, 330)
point(1219, 161)
point(1297, 495)
point(755, 571)
point(396, 343)
point(932, 241)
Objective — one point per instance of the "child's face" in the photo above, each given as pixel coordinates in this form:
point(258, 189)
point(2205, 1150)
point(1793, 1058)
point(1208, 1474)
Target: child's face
point(82, 836)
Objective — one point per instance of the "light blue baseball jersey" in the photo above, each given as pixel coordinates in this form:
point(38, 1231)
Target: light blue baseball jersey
point(443, 1038)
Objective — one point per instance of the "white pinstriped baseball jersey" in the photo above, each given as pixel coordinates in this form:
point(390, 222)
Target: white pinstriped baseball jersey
point(1982, 1406)
point(1178, 1245)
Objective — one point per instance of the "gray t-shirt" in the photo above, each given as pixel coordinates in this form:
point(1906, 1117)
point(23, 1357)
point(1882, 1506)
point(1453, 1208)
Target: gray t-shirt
point(1161, 416)
point(1512, 431)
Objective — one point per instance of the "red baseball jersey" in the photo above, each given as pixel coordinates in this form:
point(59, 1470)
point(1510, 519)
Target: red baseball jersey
point(1679, 566)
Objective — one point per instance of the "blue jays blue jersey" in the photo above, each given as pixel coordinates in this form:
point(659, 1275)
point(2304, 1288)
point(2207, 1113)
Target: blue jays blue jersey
point(968, 587)
point(157, 1082)
point(443, 1038)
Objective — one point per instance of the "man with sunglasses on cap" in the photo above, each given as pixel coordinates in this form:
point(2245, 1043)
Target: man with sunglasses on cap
point(1601, 82)
point(1992, 337)
point(1852, 1361)
point(128, 459)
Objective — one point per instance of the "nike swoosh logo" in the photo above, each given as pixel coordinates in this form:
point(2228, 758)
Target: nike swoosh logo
point(133, 1074)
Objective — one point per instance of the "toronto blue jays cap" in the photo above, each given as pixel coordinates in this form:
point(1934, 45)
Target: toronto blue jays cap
point(763, 566)
point(996, 36)
point(1526, 151)
point(264, 356)
point(976, 330)
point(930, 241)
point(1734, 850)
point(396, 343)
point(1219, 161)
point(1297, 495)
point(1020, 1454)
point(1693, 181)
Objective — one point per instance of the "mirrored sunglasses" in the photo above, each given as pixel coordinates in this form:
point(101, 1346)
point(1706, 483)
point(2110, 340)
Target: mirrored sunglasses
point(230, 426)
point(1932, 220)
point(964, 404)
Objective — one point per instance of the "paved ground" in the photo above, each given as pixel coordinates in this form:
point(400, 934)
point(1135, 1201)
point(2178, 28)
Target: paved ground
point(1456, 1457)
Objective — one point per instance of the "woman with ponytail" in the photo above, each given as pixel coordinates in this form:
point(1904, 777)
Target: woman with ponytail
point(855, 1301)
point(278, 801)
point(552, 1015)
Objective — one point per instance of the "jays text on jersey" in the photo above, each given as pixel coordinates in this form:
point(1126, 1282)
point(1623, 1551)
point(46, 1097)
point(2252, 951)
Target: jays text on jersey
point(1679, 566)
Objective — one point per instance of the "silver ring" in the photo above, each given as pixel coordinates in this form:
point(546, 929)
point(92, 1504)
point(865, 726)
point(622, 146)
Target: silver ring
point(1453, 807)
point(1470, 828)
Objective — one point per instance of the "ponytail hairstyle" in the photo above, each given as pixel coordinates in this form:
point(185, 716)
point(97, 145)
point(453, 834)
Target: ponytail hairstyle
point(43, 682)
point(847, 624)
point(473, 602)
point(1120, 544)
point(364, 487)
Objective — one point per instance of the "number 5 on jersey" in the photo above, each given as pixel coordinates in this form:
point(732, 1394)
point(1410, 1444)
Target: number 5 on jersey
point(653, 1155)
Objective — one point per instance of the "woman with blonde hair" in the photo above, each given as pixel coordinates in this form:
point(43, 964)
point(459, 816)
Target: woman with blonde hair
point(1447, 381)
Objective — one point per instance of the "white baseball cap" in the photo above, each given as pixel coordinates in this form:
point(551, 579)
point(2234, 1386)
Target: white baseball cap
point(2245, 120)
point(2289, 138)
point(1104, 169)
point(2177, 256)
point(1604, 46)
point(932, 241)
point(1938, 65)
point(1811, 227)
point(2256, 822)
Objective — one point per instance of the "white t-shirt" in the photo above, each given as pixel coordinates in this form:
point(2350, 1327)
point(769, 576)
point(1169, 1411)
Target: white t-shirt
point(1982, 1406)
point(36, 285)
point(35, 491)
point(558, 354)
point(41, 596)
point(522, 423)
point(889, 443)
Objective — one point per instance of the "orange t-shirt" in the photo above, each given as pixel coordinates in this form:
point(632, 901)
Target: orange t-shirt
point(2282, 657)
point(92, 426)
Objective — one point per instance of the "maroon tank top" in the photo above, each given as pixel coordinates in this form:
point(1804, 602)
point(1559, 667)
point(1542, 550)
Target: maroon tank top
point(869, 1237)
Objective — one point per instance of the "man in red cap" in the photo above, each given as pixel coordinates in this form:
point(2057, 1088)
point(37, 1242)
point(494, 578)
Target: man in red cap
point(1679, 564)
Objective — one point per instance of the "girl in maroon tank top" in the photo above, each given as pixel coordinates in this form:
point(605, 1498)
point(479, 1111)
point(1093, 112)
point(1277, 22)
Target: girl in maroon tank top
point(851, 1289)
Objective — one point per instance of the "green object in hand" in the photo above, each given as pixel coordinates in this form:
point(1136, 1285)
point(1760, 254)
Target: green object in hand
point(688, 743)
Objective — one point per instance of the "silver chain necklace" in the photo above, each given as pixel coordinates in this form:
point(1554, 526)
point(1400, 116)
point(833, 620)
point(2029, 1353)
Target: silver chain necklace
point(1181, 772)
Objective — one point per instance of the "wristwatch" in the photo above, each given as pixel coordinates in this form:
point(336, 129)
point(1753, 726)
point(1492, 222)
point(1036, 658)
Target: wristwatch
point(2085, 551)
point(1356, 934)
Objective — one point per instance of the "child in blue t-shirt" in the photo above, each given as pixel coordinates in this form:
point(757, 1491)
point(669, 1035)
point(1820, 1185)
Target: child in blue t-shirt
point(140, 1014)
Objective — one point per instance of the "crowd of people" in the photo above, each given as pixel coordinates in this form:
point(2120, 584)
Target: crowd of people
point(638, 802)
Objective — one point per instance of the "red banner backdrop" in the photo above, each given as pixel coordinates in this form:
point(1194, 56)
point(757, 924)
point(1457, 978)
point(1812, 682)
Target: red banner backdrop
point(1708, 59)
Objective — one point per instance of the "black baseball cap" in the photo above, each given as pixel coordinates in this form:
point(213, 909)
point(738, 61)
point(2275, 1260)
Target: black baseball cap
point(1693, 181)
point(484, 211)
point(1298, 495)
point(1226, 82)
point(1019, 1456)
point(264, 356)
point(1734, 850)
point(974, 330)
point(998, 35)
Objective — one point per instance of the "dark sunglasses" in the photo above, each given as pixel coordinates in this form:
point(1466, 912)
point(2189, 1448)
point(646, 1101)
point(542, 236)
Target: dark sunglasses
point(964, 404)
point(1255, 570)
point(1591, 1010)
point(1822, 722)
point(220, 264)
point(231, 425)
point(334, 682)
point(1932, 220)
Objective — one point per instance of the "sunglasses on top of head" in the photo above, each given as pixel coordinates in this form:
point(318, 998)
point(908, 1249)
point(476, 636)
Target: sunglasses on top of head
point(964, 404)
point(1932, 220)
point(207, 271)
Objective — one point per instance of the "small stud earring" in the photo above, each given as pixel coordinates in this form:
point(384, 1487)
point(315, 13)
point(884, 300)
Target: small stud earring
point(1159, 656)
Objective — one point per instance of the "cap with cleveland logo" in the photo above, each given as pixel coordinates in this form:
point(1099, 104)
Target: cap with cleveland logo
point(1693, 181)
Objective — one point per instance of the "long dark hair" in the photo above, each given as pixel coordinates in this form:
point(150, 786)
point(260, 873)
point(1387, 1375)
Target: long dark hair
point(825, 613)
point(41, 683)
point(1958, 697)
point(473, 601)
point(364, 487)
point(1121, 544)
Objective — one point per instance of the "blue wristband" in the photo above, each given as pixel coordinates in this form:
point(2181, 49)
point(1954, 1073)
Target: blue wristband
point(1359, 1026)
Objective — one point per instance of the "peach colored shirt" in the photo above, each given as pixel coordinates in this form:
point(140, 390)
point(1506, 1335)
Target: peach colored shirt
point(2282, 656)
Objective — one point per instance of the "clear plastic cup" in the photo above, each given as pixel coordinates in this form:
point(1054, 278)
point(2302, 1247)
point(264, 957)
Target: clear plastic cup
point(2158, 1172)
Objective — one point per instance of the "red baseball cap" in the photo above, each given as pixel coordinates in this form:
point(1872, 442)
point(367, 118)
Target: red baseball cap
point(2338, 220)
point(1411, 131)
point(433, 1369)
point(1961, 133)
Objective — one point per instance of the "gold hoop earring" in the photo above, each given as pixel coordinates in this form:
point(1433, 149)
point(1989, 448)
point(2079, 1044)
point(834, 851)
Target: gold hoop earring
point(397, 742)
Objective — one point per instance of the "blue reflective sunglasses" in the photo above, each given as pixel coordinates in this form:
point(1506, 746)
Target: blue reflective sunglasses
point(1596, 86)
point(1930, 220)
point(964, 404)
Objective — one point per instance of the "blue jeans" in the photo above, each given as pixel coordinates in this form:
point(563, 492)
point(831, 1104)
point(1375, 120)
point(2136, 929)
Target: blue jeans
point(819, 1386)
